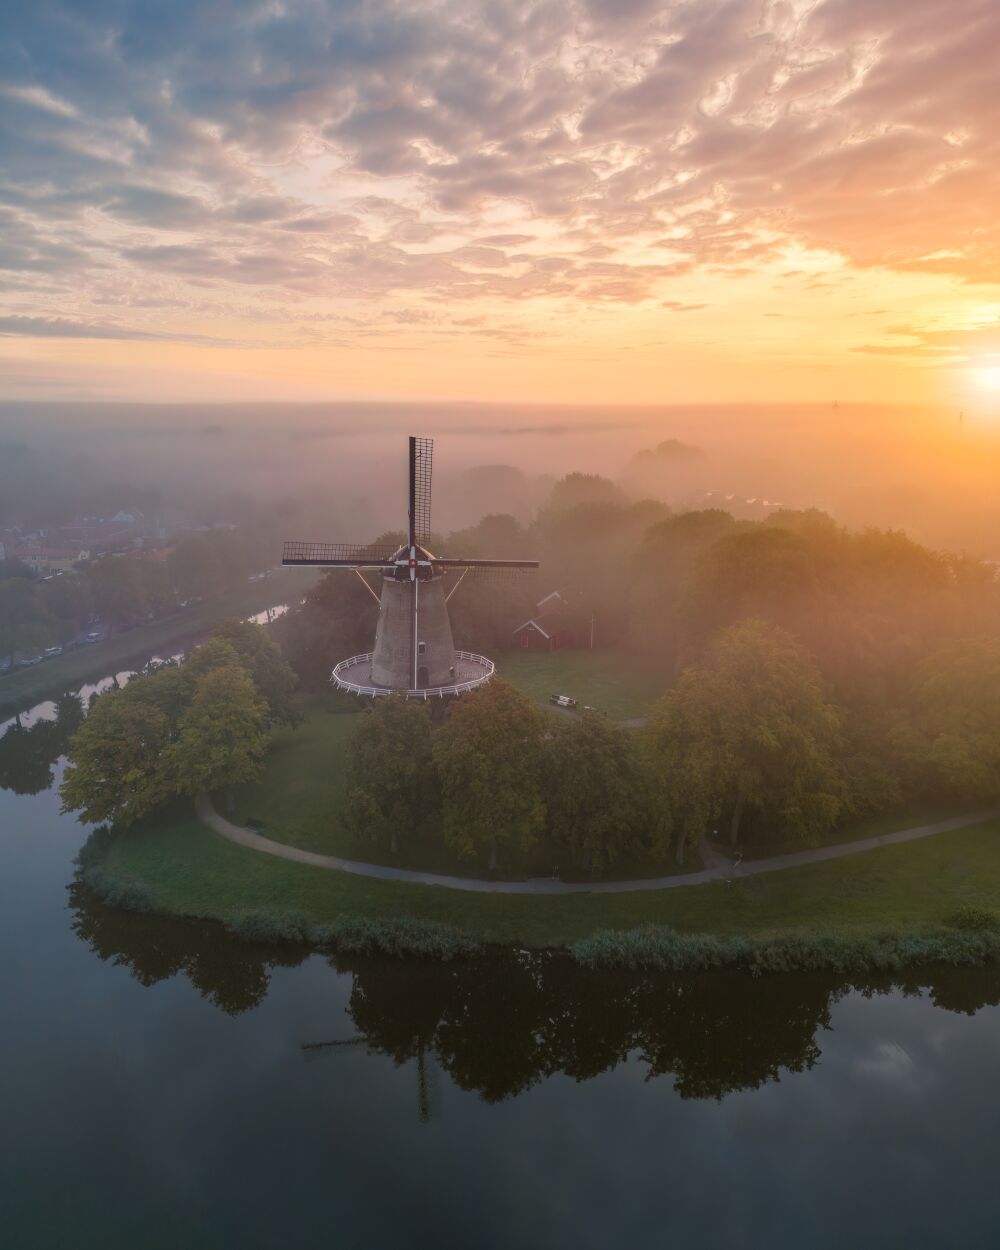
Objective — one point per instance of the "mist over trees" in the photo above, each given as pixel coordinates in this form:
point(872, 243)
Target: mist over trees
point(811, 674)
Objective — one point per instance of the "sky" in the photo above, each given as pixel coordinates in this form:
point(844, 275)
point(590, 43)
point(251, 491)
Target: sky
point(514, 201)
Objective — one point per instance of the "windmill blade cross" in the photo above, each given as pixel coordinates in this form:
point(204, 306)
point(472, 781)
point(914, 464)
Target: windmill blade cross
point(337, 555)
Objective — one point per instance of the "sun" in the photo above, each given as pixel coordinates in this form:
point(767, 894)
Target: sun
point(988, 377)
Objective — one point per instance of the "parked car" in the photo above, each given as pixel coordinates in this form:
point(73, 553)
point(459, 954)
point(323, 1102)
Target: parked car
point(29, 661)
point(51, 652)
point(95, 635)
point(5, 667)
point(562, 700)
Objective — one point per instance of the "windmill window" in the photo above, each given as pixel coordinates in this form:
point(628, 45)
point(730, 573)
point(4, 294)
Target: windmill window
point(421, 647)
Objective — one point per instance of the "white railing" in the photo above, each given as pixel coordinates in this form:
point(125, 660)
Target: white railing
point(431, 692)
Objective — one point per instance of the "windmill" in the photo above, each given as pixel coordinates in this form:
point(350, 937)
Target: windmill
point(414, 652)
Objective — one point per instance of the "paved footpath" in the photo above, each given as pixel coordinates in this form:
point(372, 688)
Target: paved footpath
point(550, 885)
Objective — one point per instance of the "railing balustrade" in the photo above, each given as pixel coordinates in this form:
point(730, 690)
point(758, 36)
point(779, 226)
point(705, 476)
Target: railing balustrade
point(338, 678)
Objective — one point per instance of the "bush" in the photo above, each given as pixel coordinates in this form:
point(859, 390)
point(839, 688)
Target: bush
point(128, 895)
point(653, 948)
point(263, 926)
point(414, 938)
point(424, 939)
point(975, 918)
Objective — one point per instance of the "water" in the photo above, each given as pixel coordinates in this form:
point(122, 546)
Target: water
point(166, 1086)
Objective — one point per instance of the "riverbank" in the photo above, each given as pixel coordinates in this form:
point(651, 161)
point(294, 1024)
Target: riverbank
point(72, 669)
point(912, 890)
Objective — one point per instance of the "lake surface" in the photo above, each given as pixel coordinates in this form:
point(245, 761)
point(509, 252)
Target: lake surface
point(166, 1086)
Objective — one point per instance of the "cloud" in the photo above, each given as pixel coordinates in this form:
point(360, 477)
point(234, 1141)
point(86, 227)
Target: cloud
point(947, 346)
point(57, 328)
point(321, 150)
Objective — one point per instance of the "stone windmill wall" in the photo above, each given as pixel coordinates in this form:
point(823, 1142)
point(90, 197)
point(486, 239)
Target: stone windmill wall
point(391, 655)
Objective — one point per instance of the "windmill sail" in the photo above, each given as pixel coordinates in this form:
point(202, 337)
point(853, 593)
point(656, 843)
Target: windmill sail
point(421, 470)
point(337, 555)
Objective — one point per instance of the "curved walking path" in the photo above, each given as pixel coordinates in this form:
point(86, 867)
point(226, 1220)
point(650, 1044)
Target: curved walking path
point(546, 885)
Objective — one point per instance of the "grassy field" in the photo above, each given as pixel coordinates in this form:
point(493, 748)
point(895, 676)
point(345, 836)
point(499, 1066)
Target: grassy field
point(300, 800)
point(624, 686)
point(26, 686)
point(190, 871)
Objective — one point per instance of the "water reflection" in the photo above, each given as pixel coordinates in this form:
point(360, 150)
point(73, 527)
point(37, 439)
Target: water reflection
point(29, 751)
point(499, 1025)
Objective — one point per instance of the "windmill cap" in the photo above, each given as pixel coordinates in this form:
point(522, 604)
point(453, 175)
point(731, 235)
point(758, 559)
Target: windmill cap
point(400, 561)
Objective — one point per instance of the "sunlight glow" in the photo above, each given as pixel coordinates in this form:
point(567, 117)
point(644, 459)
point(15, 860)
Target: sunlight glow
point(988, 377)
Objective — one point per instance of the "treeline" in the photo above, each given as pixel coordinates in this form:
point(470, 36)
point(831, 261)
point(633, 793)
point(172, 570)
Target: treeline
point(180, 730)
point(747, 745)
point(866, 605)
point(120, 590)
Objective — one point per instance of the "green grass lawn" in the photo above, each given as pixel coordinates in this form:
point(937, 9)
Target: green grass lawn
point(870, 827)
point(300, 801)
point(190, 871)
point(25, 686)
point(624, 686)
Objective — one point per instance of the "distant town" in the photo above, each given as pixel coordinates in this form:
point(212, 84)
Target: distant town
point(66, 586)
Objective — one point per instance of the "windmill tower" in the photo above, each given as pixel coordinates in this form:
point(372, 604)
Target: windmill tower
point(414, 653)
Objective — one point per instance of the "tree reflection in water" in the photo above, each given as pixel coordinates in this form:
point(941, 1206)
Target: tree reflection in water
point(28, 755)
point(500, 1024)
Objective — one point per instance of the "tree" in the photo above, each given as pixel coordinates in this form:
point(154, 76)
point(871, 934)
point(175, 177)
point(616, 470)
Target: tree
point(662, 567)
point(221, 736)
point(595, 791)
point(489, 759)
point(390, 772)
point(583, 488)
point(956, 722)
point(155, 582)
point(336, 620)
point(68, 601)
point(117, 761)
point(118, 591)
point(262, 659)
point(757, 735)
point(206, 565)
point(24, 623)
point(685, 770)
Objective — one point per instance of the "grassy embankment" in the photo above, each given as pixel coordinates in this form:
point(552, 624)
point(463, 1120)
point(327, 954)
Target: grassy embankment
point(184, 869)
point(25, 686)
point(187, 870)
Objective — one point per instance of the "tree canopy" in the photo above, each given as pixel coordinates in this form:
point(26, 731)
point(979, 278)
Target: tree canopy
point(757, 736)
point(488, 755)
point(595, 791)
point(391, 779)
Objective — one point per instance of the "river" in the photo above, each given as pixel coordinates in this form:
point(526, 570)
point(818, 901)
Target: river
point(167, 1086)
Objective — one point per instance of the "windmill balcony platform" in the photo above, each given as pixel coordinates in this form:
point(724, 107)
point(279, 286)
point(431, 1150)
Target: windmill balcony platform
point(355, 677)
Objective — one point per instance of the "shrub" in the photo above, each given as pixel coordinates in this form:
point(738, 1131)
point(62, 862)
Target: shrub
point(976, 918)
point(263, 926)
point(424, 939)
point(128, 895)
point(654, 948)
